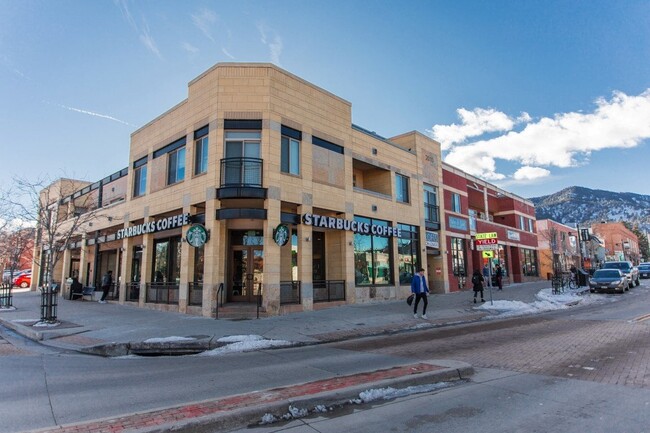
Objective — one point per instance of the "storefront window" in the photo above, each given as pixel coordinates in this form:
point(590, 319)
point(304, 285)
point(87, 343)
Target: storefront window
point(458, 256)
point(199, 254)
point(529, 262)
point(372, 257)
point(167, 260)
point(408, 247)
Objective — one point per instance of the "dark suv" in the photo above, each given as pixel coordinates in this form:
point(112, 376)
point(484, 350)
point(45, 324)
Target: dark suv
point(630, 271)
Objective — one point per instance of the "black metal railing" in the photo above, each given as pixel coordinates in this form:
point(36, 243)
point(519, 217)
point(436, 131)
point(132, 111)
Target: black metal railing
point(329, 290)
point(289, 292)
point(259, 298)
point(49, 302)
point(237, 172)
point(195, 295)
point(133, 291)
point(5, 295)
point(220, 294)
point(162, 293)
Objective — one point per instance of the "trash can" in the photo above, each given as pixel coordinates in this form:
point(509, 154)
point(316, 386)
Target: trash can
point(583, 278)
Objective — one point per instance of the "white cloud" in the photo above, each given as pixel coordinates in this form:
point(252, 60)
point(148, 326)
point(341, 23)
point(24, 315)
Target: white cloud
point(273, 41)
point(227, 53)
point(91, 113)
point(204, 21)
point(530, 173)
point(189, 48)
point(473, 124)
point(143, 34)
point(565, 140)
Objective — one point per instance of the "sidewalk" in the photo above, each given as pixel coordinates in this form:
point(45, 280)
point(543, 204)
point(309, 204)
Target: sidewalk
point(115, 330)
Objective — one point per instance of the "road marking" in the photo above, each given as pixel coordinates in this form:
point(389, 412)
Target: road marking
point(642, 318)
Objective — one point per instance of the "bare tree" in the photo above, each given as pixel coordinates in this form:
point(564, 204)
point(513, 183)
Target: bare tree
point(57, 215)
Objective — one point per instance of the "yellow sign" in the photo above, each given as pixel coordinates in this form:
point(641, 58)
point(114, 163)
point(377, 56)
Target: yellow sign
point(491, 235)
point(487, 254)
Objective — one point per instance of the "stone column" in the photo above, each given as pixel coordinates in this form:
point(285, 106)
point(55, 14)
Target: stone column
point(305, 256)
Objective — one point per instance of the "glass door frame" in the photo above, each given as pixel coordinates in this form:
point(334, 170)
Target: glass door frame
point(250, 280)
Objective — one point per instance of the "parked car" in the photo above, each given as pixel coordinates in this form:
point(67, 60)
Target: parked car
point(7, 274)
point(644, 270)
point(609, 279)
point(628, 269)
point(23, 280)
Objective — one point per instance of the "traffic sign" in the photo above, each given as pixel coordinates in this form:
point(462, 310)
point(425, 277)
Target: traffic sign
point(490, 235)
point(490, 241)
point(490, 247)
point(487, 254)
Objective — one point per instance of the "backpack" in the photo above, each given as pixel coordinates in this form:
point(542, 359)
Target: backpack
point(476, 279)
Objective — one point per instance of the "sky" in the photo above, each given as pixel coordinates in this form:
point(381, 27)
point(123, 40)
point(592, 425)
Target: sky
point(531, 96)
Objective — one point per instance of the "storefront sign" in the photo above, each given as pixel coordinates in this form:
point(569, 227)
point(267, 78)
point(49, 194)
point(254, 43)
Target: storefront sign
point(355, 226)
point(513, 235)
point(432, 240)
point(196, 235)
point(457, 223)
point(281, 234)
point(160, 225)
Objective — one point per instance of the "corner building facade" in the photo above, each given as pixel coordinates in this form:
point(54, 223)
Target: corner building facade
point(259, 189)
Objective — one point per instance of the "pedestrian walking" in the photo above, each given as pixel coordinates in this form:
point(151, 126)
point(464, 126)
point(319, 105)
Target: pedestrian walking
point(107, 282)
point(477, 283)
point(420, 289)
point(498, 272)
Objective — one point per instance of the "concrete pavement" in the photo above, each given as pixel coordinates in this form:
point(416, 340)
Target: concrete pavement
point(112, 329)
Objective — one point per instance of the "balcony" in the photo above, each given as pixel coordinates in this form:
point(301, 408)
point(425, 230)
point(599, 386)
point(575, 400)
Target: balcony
point(241, 178)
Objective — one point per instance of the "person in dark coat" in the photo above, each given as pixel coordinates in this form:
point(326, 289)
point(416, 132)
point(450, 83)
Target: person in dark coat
point(477, 283)
point(420, 289)
point(498, 272)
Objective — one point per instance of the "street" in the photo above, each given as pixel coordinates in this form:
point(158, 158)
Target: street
point(574, 370)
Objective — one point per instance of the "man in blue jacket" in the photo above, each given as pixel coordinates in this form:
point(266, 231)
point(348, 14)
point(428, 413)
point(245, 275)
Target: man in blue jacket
point(420, 289)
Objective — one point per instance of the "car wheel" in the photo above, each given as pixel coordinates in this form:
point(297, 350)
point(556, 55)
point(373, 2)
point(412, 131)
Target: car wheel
point(24, 285)
point(592, 291)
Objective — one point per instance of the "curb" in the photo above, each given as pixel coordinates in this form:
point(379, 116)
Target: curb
point(239, 411)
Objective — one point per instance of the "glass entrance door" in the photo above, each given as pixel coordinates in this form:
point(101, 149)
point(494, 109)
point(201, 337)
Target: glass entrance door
point(247, 273)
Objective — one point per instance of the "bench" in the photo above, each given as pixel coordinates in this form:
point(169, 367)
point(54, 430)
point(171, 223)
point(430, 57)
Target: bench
point(85, 292)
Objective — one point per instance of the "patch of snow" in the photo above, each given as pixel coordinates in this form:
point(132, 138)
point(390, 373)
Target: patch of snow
point(268, 419)
point(245, 343)
point(168, 339)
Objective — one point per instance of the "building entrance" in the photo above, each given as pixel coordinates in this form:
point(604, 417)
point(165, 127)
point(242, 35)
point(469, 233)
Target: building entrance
point(247, 273)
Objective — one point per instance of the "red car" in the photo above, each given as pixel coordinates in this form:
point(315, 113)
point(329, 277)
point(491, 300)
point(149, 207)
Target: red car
point(23, 280)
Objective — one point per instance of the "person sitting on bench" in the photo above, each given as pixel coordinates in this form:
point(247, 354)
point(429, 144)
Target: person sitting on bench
point(76, 288)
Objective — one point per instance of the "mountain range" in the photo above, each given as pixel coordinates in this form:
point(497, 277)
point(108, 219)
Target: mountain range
point(577, 204)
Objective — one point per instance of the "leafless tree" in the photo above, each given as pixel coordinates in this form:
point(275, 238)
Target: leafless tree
point(16, 247)
point(56, 214)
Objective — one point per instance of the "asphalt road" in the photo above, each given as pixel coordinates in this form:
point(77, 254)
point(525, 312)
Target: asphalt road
point(585, 371)
point(561, 371)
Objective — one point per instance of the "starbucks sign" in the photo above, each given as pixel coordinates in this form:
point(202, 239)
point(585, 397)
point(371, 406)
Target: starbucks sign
point(196, 235)
point(281, 234)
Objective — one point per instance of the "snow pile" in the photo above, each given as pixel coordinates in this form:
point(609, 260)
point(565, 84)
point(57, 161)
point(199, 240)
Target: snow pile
point(390, 393)
point(168, 339)
point(546, 301)
point(245, 343)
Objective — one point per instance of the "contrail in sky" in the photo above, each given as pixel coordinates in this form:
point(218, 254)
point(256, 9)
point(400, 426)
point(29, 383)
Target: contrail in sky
point(90, 113)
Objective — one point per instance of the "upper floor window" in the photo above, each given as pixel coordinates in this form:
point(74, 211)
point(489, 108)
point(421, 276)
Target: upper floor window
point(522, 223)
point(290, 150)
point(140, 177)
point(530, 225)
point(201, 150)
point(472, 219)
point(455, 202)
point(402, 188)
point(176, 166)
point(430, 203)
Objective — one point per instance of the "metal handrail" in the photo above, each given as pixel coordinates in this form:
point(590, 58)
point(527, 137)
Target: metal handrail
point(241, 172)
point(219, 292)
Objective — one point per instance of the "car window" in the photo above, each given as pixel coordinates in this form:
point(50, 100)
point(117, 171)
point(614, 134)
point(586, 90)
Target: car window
point(616, 265)
point(607, 273)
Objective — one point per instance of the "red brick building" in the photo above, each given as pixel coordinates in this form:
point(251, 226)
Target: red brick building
point(473, 206)
point(620, 242)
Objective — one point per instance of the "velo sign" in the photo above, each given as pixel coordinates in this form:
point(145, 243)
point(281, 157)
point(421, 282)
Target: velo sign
point(486, 241)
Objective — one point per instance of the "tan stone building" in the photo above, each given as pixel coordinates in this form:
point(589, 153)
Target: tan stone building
point(258, 188)
point(620, 242)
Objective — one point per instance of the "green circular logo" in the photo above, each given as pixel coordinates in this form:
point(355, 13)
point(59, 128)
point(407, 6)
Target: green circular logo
point(281, 235)
point(196, 235)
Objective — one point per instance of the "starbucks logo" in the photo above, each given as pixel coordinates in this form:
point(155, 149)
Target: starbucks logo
point(197, 235)
point(281, 234)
